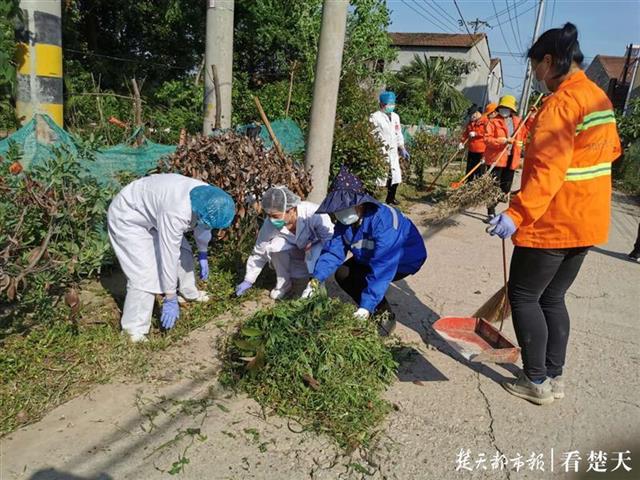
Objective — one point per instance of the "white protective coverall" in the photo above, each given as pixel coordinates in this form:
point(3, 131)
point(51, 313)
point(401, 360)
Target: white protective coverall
point(147, 221)
point(389, 131)
point(288, 252)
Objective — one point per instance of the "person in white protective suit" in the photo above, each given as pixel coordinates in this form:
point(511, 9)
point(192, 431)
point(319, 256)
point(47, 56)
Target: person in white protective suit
point(388, 129)
point(147, 222)
point(291, 239)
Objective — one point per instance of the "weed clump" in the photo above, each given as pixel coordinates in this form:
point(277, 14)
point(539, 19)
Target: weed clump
point(312, 361)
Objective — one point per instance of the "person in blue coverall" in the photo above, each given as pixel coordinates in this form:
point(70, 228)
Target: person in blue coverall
point(385, 245)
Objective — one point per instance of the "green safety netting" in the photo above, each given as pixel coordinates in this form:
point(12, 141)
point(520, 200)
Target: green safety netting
point(41, 135)
point(286, 131)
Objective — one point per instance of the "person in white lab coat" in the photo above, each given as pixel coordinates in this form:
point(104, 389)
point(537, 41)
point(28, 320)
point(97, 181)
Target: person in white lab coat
point(147, 221)
point(389, 131)
point(291, 239)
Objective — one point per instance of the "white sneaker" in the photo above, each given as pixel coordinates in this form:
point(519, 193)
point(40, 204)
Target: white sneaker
point(138, 338)
point(202, 298)
point(279, 293)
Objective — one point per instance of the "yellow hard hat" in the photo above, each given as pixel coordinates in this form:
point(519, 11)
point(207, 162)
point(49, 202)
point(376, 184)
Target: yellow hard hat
point(508, 101)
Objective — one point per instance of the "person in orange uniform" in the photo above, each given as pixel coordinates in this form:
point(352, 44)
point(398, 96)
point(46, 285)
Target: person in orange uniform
point(474, 135)
point(562, 209)
point(504, 142)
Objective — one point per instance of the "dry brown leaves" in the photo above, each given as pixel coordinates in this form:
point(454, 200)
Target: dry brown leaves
point(482, 191)
point(239, 165)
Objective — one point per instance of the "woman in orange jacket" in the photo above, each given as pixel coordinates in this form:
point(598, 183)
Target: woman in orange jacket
point(504, 141)
point(473, 135)
point(562, 209)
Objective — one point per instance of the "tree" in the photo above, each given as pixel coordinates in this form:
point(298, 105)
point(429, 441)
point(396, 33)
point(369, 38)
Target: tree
point(427, 91)
point(9, 14)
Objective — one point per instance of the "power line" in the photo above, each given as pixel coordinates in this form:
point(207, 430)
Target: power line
point(436, 14)
point(553, 12)
point(521, 13)
point(434, 2)
point(513, 30)
point(515, 12)
point(502, 12)
point(435, 17)
point(422, 15)
point(501, 30)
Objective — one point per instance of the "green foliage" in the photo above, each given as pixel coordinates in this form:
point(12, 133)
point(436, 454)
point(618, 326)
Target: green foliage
point(629, 124)
point(426, 91)
point(429, 150)
point(627, 169)
point(10, 13)
point(53, 236)
point(313, 361)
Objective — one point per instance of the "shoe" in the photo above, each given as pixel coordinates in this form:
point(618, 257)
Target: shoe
point(634, 256)
point(387, 325)
point(557, 387)
point(279, 293)
point(201, 298)
point(138, 338)
point(524, 388)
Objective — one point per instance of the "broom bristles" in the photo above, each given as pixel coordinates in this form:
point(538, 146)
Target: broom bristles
point(496, 309)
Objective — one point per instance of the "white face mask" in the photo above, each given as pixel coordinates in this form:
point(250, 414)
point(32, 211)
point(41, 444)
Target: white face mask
point(504, 112)
point(348, 216)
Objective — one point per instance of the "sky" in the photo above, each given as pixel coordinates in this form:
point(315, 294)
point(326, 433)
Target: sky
point(604, 26)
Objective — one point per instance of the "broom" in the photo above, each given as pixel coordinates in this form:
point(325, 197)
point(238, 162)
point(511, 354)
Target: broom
point(497, 308)
point(444, 167)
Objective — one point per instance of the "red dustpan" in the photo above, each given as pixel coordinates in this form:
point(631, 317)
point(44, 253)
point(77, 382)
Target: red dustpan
point(477, 340)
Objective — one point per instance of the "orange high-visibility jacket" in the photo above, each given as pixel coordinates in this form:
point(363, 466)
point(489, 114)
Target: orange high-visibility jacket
point(565, 197)
point(497, 130)
point(476, 144)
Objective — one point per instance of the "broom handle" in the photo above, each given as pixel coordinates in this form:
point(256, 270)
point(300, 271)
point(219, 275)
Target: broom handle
point(506, 283)
point(455, 154)
point(535, 104)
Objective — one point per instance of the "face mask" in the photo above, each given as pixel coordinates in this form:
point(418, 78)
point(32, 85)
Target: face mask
point(279, 223)
point(348, 216)
point(389, 108)
point(504, 112)
point(539, 83)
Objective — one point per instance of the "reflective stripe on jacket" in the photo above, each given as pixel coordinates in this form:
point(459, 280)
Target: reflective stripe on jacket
point(385, 240)
point(565, 199)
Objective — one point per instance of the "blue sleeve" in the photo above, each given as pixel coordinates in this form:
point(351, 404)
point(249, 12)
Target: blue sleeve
point(384, 262)
point(333, 254)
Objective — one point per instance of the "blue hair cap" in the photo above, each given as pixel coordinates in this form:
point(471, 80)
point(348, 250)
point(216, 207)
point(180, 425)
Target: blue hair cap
point(387, 98)
point(214, 207)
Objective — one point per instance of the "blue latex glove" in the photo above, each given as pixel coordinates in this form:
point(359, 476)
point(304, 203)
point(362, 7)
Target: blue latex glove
point(204, 265)
point(502, 226)
point(243, 287)
point(170, 312)
point(405, 154)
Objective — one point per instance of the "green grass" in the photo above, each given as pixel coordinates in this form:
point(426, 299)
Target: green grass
point(54, 362)
point(313, 362)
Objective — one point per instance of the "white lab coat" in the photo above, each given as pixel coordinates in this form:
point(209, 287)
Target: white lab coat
point(389, 131)
point(311, 228)
point(147, 221)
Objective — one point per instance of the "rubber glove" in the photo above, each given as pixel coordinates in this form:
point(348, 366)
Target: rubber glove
point(502, 226)
point(204, 265)
point(404, 154)
point(362, 313)
point(311, 288)
point(242, 288)
point(170, 312)
point(461, 146)
point(473, 134)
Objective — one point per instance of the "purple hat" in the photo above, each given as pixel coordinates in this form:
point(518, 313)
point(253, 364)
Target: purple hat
point(345, 191)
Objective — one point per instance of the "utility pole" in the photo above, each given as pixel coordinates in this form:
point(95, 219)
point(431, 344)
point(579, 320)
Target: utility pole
point(218, 54)
point(476, 24)
point(325, 95)
point(39, 61)
point(526, 88)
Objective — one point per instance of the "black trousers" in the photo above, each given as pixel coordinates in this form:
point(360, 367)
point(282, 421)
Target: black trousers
point(504, 176)
point(473, 159)
point(538, 281)
point(391, 192)
point(351, 276)
point(636, 246)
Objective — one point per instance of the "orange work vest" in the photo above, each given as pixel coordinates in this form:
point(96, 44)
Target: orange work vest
point(495, 131)
point(476, 144)
point(565, 199)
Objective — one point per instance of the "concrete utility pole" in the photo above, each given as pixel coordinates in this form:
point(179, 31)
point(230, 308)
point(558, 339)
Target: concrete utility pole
point(526, 88)
point(218, 52)
point(39, 61)
point(325, 95)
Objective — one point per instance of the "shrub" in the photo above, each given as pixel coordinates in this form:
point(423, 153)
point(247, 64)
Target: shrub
point(429, 150)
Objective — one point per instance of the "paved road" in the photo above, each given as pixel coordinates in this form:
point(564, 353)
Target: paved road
point(447, 409)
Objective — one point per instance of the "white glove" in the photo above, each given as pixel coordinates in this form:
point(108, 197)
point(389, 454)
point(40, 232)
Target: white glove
point(362, 313)
point(473, 134)
point(311, 289)
point(461, 146)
